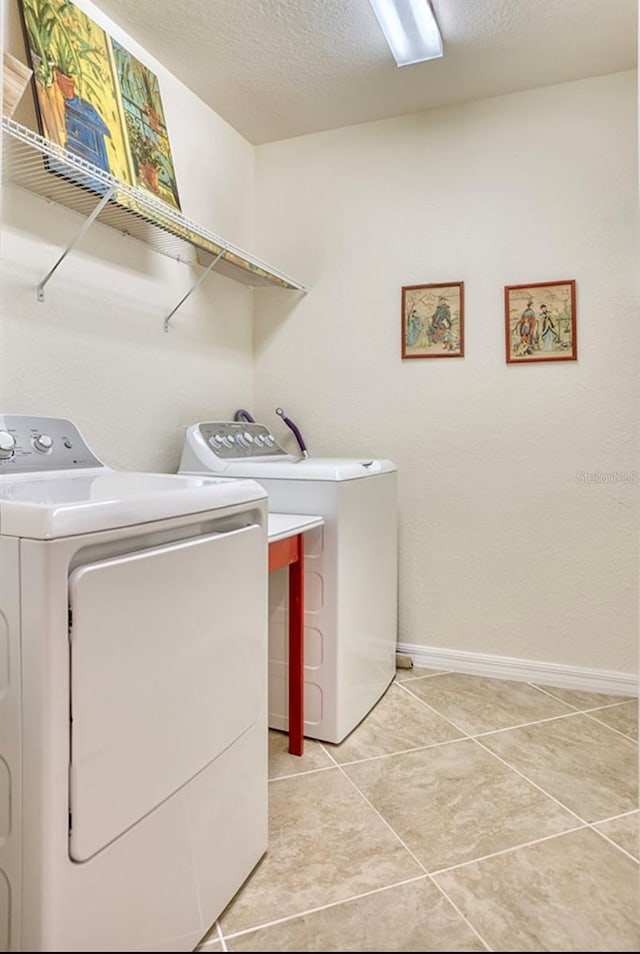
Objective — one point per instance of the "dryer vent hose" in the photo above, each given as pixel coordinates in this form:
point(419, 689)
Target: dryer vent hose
point(242, 415)
point(296, 431)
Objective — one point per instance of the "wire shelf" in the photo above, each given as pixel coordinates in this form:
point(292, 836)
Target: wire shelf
point(47, 169)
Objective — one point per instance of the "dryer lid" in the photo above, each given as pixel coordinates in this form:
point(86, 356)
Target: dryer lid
point(64, 504)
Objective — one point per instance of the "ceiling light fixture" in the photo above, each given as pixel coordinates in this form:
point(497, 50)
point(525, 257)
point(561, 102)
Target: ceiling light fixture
point(410, 29)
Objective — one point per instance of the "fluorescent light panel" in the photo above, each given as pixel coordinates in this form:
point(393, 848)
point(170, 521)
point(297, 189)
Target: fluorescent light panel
point(410, 29)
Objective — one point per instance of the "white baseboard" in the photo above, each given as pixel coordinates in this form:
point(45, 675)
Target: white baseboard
point(522, 670)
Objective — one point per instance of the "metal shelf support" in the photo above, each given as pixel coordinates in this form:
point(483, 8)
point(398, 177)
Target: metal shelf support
point(193, 288)
point(86, 225)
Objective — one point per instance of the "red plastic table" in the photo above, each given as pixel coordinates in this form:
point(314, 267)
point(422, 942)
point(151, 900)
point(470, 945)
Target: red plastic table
point(286, 548)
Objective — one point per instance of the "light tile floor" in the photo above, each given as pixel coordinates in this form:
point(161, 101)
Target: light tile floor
point(463, 814)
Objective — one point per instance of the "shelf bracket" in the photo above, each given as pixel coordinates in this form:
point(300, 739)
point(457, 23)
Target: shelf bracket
point(85, 226)
point(213, 262)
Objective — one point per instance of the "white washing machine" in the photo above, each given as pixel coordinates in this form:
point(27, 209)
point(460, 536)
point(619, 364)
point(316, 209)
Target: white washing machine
point(133, 696)
point(350, 570)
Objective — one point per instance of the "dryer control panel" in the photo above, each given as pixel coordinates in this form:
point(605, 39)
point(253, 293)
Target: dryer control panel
point(32, 444)
point(238, 440)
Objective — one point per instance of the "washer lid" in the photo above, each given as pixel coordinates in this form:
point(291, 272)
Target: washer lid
point(64, 504)
point(306, 468)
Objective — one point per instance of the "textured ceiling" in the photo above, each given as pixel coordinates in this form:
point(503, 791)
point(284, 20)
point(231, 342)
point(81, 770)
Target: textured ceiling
point(280, 68)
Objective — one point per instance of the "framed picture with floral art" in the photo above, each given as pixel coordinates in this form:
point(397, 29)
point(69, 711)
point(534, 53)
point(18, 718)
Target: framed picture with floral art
point(540, 322)
point(433, 320)
point(97, 101)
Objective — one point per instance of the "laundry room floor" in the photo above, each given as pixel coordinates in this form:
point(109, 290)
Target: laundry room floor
point(463, 814)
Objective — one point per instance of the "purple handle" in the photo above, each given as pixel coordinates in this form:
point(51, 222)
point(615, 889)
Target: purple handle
point(294, 428)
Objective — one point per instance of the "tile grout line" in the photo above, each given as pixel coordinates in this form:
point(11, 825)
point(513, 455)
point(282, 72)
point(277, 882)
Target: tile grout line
point(208, 944)
point(506, 851)
point(417, 748)
point(632, 811)
point(525, 725)
point(583, 821)
point(390, 755)
point(460, 913)
point(355, 897)
point(383, 819)
point(327, 906)
point(221, 936)
point(589, 711)
point(517, 725)
point(427, 705)
point(610, 705)
point(327, 752)
point(594, 718)
point(310, 771)
point(548, 690)
point(614, 843)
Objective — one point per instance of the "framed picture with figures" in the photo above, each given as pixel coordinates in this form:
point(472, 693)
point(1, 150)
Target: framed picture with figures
point(540, 322)
point(433, 320)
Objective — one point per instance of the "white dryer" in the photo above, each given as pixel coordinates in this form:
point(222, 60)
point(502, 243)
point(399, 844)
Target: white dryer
point(350, 570)
point(133, 696)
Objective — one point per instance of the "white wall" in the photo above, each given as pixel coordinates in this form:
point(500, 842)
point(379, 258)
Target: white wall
point(95, 350)
point(504, 549)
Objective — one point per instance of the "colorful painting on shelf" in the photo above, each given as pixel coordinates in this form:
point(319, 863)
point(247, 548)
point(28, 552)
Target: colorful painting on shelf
point(145, 126)
point(96, 100)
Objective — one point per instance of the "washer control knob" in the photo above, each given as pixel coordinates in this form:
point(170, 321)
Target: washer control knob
point(43, 443)
point(259, 439)
point(248, 437)
point(7, 445)
point(216, 441)
point(269, 440)
point(240, 440)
